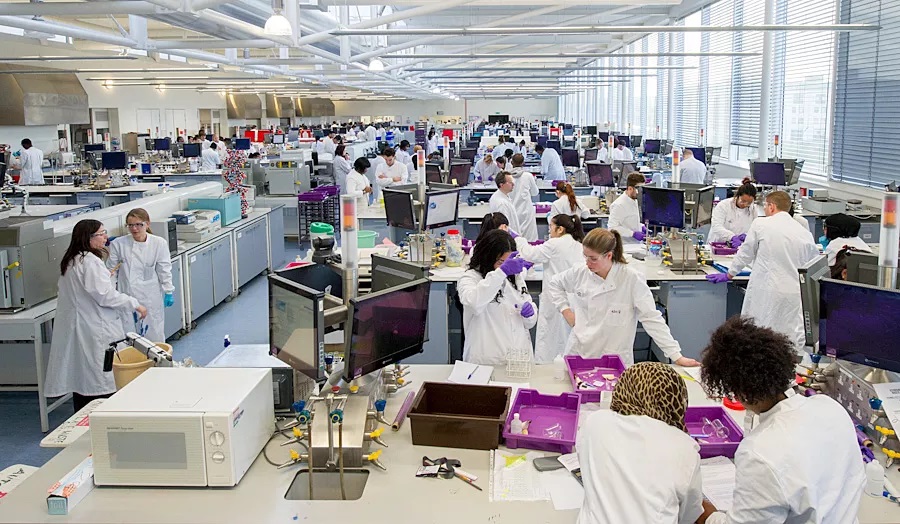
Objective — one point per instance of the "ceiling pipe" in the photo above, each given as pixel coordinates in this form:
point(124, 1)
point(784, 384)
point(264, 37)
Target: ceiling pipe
point(109, 7)
point(576, 30)
point(212, 44)
point(551, 56)
point(29, 24)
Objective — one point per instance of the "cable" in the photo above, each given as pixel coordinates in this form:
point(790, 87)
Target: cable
point(279, 431)
point(341, 458)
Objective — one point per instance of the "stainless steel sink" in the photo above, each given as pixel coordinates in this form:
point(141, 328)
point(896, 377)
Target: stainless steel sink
point(327, 485)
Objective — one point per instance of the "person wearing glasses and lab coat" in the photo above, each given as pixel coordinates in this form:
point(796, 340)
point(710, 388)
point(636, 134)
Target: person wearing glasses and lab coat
point(501, 201)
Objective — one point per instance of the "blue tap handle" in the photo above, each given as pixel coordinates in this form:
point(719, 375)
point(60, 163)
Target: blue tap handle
point(380, 404)
point(298, 406)
point(875, 403)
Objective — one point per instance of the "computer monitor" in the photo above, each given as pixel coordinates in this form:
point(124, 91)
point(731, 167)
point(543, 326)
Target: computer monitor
point(703, 206)
point(862, 267)
point(652, 146)
point(810, 274)
point(636, 140)
point(858, 323)
point(468, 153)
point(441, 208)
point(666, 148)
point(317, 277)
point(114, 159)
point(297, 326)
point(385, 327)
point(94, 147)
point(554, 144)
point(293, 135)
point(473, 144)
point(600, 174)
point(625, 139)
point(242, 144)
point(590, 130)
point(381, 146)
point(318, 133)
point(399, 209)
point(459, 173)
point(388, 272)
point(699, 153)
point(278, 138)
point(570, 158)
point(591, 154)
point(768, 173)
point(662, 207)
point(433, 173)
point(191, 150)
point(568, 131)
point(162, 144)
point(603, 136)
point(542, 141)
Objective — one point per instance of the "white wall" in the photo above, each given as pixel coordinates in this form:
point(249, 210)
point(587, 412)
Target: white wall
point(416, 109)
point(43, 137)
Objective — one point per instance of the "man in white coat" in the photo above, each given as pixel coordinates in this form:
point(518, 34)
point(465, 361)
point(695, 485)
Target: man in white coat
point(551, 164)
point(32, 160)
point(390, 172)
point(776, 246)
point(209, 158)
point(370, 133)
point(501, 201)
point(625, 214)
point(693, 171)
point(524, 190)
point(622, 153)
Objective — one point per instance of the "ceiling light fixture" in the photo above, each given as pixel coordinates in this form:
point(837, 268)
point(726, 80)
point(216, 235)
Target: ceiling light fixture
point(376, 65)
point(278, 24)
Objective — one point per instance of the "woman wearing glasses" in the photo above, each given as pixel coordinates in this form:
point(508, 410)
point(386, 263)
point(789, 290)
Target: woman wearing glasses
point(144, 272)
point(87, 319)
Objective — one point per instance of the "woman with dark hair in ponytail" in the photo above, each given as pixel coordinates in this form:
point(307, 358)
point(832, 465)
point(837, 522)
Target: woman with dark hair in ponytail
point(567, 203)
point(604, 299)
point(490, 222)
point(731, 219)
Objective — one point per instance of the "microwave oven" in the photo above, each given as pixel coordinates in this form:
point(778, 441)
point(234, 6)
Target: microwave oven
point(183, 427)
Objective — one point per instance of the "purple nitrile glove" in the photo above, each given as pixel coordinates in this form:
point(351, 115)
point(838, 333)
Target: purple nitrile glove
point(512, 233)
point(527, 310)
point(529, 265)
point(536, 242)
point(736, 241)
point(513, 265)
point(717, 278)
point(639, 236)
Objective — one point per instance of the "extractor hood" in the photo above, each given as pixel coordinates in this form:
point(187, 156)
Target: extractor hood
point(314, 107)
point(37, 96)
point(279, 106)
point(244, 106)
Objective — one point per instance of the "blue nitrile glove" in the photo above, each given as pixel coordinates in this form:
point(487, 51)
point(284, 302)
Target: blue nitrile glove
point(717, 278)
point(824, 241)
point(513, 265)
point(736, 241)
point(639, 236)
point(527, 310)
point(169, 300)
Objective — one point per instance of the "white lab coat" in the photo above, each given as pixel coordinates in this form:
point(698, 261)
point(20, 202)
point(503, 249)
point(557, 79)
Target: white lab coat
point(521, 150)
point(525, 188)
point(145, 274)
point(776, 246)
point(384, 174)
point(494, 324)
point(501, 149)
point(356, 183)
point(221, 149)
point(370, 133)
point(623, 154)
point(693, 171)
point(603, 154)
point(431, 145)
point(405, 158)
point(625, 217)
point(87, 320)
point(328, 146)
point(557, 255)
point(486, 171)
point(607, 312)
point(342, 167)
point(551, 165)
point(32, 167)
point(209, 159)
point(561, 206)
point(637, 469)
point(205, 144)
point(776, 482)
point(838, 244)
point(503, 203)
point(803, 222)
point(729, 220)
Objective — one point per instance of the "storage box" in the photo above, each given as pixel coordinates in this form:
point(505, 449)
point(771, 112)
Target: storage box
point(823, 205)
point(713, 446)
point(229, 205)
point(721, 248)
point(459, 415)
point(587, 368)
point(67, 493)
point(542, 412)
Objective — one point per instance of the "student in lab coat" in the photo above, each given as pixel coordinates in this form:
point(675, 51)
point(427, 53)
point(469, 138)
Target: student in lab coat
point(522, 149)
point(32, 161)
point(567, 203)
point(622, 153)
point(501, 201)
point(693, 171)
point(638, 462)
point(87, 319)
point(603, 153)
point(490, 222)
point(502, 163)
point(390, 172)
point(551, 164)
point(209, 158)
point(842, 230)
point(604, 299)
point(624, 213)
point(357, 183)
point(731, 219)
point(525, 188)
point(486, 169)
point(220, 146)
point(143, 267)
point(328, 145)
point(341, 166)
point(404, 157)
point(370, 132)
point(776, 246)
point(431, 145)
point(799, 219)
point(497, 309)
point(775, 480)
point(563, 251)
point(503, 147)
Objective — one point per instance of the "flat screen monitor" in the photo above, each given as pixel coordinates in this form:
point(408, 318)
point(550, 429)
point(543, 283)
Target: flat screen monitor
point(862, 267)
point(568, 131)
point(385, 327)
point(554, 144)
point(317, 277)
point(114, 159)
point(600, 174)
point(242, 144)
point(570, 158)
point(858, 323)
point(636, 140)
point(388, 272)
point(652, 146)
point(293, 135)
point(468, 153)
point(662, 207)
point(191, 150)
point(591, 154)
point(768, 173)
point(296, 326)
point(459, 173)
point(399, 209)
point(603, 136)
point(441, 208)
point(433, 173)
point(590, 130)
point(277, 139)
point(699, 153)
point(162, 144)
point(703, 206)
point(93, 147)
point(810, 274)
point(318, 133)
point(542, 141)
point(381, 146)
point(625, 139)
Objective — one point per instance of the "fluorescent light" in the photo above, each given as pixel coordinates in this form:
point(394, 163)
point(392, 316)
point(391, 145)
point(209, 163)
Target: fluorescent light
point(278, 25)
point(376, 65)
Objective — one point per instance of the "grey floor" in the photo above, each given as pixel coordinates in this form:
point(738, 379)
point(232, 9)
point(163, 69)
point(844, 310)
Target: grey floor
point(245, 319)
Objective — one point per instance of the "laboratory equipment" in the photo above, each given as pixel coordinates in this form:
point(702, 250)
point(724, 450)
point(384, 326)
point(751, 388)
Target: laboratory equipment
point(399, 209)
point(768, 173)
point(114, 160)
point(554, 144)
point(890, 240)
point(635, 140)
point(570, 158)
point(289, 181)
point(468, 153)
point(441, 209)
point(600, 174)
point(403, 411)
point(662, 207)
point(389, 272)
point(29, 262)
point(162, 144)
point(228, 204)
point(278, 139)
point(810, 274)
point(699, 206)
point(242, 144)
point(823, 205)
point(714, 430)
point(459, 173)
point(191, 150)
point(454, 248)
point(168, 429)
point(590, 130)
point(167, 229)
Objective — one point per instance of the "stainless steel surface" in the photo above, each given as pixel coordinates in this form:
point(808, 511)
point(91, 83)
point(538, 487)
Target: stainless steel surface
point(279, 106)
point(314, 107)
point(356, 424)
point(244, 106)
point(327, 485)
point(36, 99)
point(887, 277)
point(31, 270)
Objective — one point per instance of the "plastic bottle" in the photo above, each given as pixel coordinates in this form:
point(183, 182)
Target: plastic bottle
point(874, 477)
point(516, 426)
point(454, 250)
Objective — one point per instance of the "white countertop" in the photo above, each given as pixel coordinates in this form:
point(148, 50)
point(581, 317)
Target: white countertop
point(69, 188)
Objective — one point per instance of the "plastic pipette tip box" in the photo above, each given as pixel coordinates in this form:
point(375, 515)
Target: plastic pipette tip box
point(593, 369)
point(542, 412)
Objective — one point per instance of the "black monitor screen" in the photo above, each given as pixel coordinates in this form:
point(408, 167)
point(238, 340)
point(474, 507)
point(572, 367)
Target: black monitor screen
point(242, 144)
point(296, 326)
point(468, 154)
point(662, 207)
point(652, 146)
point(191, 150)
point(859, 323)
point(554, 144)
point(590, 154)
point(93, 147)
point(636, 140)
point(768, 173)
point(590, 130)
point(386, 327)
point(162, 144)
point(433, 172)
point(570, 157)
point(600, 174)
point(699, 153)
point(459, 173)
point(705, 199)
point(603, 136)
point(441, 208)
point(115, 160)
point(398, 208)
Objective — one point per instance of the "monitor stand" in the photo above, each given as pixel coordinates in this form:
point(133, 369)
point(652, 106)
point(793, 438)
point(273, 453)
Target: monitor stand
point(877, 376)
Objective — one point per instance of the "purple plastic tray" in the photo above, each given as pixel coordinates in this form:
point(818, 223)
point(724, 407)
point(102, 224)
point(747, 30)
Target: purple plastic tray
point(721, 248)
point(542, 208)
point(543, 411)
point(713, 446)
point(311, 197)
point(584, 368)
point(328, 190)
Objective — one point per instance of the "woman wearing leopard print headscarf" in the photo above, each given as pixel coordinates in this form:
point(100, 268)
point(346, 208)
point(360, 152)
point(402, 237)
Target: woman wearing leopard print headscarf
point(637, 461)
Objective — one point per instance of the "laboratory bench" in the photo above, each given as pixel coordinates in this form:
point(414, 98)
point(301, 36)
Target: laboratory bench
point(396, 494)
point(50, 212)
point(68, 194)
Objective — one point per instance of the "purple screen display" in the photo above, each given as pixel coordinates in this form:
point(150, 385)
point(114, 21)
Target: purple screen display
point(860, 324)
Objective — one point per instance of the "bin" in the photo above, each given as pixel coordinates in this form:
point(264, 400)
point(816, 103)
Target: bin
point(129, 363)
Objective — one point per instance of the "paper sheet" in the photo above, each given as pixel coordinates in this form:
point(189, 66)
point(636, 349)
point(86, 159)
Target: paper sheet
point(889, 394)
point(718, 481)
point(513, 477)
point(565, 492)
point(694, 373)
point(468, 373)
point(634, 248)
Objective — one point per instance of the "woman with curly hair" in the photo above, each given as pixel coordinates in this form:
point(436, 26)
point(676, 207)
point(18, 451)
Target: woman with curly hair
point(776, 481)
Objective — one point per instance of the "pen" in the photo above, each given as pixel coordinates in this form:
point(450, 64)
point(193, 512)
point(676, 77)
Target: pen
point(472, 373)
point(468, 481)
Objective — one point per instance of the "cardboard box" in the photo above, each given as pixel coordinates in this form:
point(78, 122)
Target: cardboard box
point(67, 493)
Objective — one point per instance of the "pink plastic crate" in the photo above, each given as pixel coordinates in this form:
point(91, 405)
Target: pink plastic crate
point(721, 248)
point(713, 446)
point(542, 412)
point(590, 370)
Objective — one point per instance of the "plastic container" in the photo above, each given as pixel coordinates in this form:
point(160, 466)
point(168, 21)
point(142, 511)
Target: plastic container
point(130, 363)
point(454, 251)
point(712, 445)
point(721, 248)
point(366, 238)
point(459, 415)
point(542, 208)
point(543, 412)
point(587, 368)
point(321, 230)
